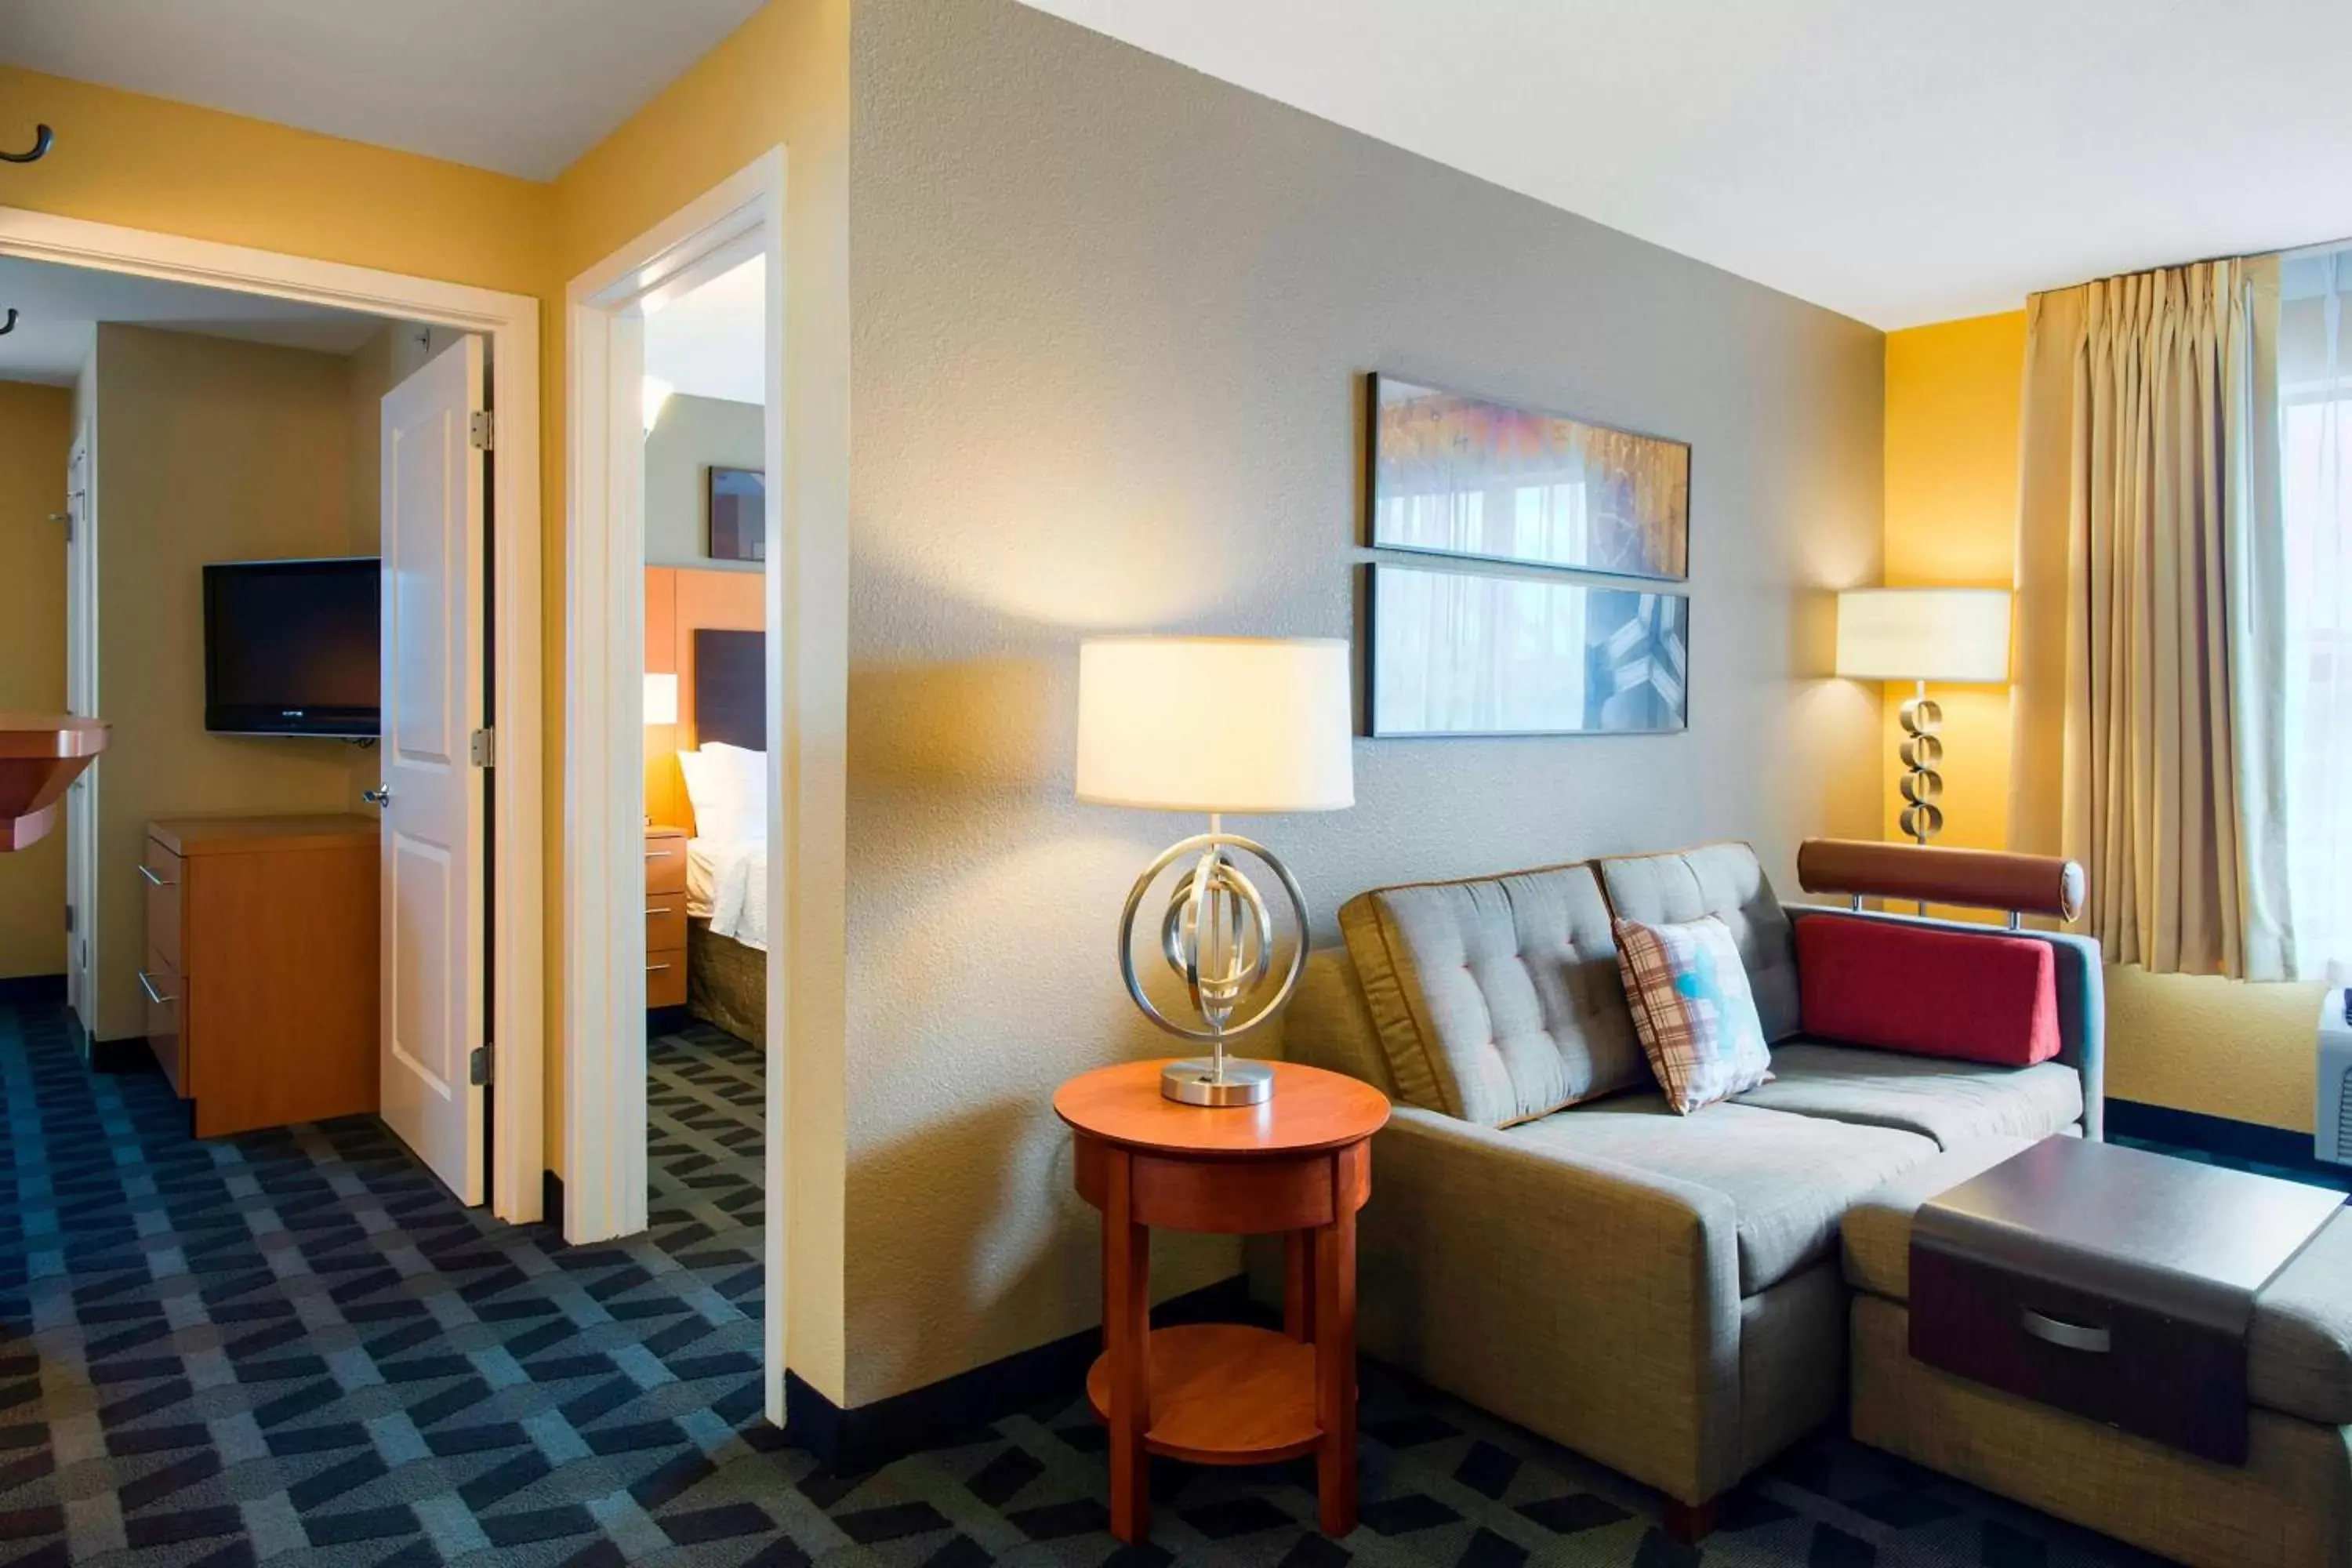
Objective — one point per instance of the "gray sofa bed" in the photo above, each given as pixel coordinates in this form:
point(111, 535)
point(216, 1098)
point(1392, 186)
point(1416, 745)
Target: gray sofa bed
point(1663, 1293)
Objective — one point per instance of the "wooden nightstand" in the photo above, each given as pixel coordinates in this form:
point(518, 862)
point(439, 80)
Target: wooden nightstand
point(1226, 1394)
point(665, 917)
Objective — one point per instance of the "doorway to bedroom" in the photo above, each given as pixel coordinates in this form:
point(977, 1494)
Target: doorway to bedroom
point(706, 771)
point(687, 675)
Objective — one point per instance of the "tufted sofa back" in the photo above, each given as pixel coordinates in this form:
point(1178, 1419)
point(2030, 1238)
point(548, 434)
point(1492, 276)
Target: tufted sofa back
point(1497, 999)
point(1727, 881)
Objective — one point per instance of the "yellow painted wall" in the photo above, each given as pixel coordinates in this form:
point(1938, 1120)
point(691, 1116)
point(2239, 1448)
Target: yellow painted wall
point(1951, 518)
point(1953, 394)
point(146, 163)
point(35, 433)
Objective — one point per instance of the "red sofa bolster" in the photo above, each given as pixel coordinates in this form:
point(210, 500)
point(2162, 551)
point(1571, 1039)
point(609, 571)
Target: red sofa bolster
point(1985, 998)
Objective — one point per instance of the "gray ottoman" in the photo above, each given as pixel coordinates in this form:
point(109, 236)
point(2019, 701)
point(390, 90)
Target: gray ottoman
point(2289, 1507)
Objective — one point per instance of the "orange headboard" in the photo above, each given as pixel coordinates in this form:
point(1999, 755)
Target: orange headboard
point(680, 601)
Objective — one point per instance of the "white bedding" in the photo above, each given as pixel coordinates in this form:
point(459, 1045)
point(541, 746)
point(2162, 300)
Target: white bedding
point(727, 884)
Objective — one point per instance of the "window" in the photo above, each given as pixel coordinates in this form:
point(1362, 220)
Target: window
point(2316, 497)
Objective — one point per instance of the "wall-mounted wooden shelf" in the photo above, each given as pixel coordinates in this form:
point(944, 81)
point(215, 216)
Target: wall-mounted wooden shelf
point(40, 755)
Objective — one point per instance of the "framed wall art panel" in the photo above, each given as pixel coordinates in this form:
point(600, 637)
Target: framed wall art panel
point(738, 514)
point(1478, 653)
point(1455, 475)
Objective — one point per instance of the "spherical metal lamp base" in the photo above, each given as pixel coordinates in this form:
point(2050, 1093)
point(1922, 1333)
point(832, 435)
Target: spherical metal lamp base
point(1198, 1081)
point(1218, 937)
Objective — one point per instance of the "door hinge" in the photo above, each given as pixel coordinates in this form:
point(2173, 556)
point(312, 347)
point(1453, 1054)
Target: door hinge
point(478, 1070)
point(484, 748)
point(482, 430)
point(69, 919)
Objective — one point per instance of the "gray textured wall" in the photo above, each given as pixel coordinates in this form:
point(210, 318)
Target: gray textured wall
point(693, 435)
point(1110, 321)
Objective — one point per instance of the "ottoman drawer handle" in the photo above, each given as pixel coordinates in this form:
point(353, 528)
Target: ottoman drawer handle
point(2065, 1335)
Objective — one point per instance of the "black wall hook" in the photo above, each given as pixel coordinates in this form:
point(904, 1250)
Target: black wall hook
point(43, 139)
point(10, 325)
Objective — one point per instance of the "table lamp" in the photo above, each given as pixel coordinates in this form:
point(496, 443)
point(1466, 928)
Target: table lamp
point(1215, 725)
point(1954, 636)
point(661, 699)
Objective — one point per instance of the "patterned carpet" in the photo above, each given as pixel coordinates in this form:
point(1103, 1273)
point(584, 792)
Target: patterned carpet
point(706, 1095)
point(294, 1346)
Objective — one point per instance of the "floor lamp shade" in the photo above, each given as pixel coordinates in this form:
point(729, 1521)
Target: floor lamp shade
point(1216, 724)
point(1951, 636)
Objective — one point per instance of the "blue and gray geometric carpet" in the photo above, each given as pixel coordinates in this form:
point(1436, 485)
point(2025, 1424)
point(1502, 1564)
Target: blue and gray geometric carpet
point(295, 1347)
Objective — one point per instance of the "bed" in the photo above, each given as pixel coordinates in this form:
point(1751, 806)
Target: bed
point(727, 861)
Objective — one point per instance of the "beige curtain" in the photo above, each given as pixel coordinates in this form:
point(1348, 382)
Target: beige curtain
point(2148, 711)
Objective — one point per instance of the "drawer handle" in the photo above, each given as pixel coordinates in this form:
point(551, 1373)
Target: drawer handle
point(147, 983)
point(659, 854)
point(655, 968)
point(658, 909)
point(2067, 1336)
point(153, 880)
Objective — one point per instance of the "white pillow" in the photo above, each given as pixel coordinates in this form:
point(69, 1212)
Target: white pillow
point(705, 793)
point(748, 781)
point(727, 786)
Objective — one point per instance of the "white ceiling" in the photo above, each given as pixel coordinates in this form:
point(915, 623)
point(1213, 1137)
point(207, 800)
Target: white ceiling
point(523, 87)
point(58, 309)
point(713, 342)
point(1900, 162)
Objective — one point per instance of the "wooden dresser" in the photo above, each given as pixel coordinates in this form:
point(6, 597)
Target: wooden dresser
point(665, 917)
point(260, 974)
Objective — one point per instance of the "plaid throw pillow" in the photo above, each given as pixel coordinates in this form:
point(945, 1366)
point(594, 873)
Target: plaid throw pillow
point(1694, 1010)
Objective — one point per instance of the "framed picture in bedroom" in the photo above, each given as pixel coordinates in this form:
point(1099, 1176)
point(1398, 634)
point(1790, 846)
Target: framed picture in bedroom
point(1457, 475)
point(738, 514)
point(1484, 653)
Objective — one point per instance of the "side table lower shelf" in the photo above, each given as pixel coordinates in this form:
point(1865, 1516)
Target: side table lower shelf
point(1224, 1394)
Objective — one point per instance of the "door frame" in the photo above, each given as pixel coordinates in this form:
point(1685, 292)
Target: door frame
point(603, 774)
point(510, 324)
point(81, 700)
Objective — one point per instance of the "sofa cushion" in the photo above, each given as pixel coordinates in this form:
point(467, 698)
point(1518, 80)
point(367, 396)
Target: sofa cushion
point(1693, 1010)
point(1725, 881)
point(1955, 1103)
point(1496, 999)
point(2298, 1348)
point(1789, 1178)
point(1974, 997)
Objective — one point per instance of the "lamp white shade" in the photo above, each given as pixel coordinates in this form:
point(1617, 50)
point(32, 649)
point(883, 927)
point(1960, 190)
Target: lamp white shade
point(661, 699)
point(1215, 724)
point(1951, 636)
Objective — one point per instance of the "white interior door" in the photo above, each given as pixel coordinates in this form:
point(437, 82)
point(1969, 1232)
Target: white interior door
point(430, 791)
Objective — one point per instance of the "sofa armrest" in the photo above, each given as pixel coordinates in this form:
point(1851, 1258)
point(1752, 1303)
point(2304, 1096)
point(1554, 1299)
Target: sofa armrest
point(2082, 996)
point(1595, 1304)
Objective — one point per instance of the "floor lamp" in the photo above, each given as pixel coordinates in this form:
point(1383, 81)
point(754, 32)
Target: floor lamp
point(1951, 635)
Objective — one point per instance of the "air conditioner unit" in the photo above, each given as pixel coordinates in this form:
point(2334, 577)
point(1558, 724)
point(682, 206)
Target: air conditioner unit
point(2335, 1120)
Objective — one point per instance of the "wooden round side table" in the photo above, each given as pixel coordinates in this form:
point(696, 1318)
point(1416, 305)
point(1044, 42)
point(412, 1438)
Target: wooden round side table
point(1226, 1394)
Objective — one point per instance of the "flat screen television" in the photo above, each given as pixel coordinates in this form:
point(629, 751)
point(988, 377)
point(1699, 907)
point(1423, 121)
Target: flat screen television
point(291, 648)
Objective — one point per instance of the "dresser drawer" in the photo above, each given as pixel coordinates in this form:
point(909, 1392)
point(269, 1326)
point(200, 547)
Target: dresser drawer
point(160, 876)
point(665, 921)
point(160, 991)
point(666, 864)
point(665, 978)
